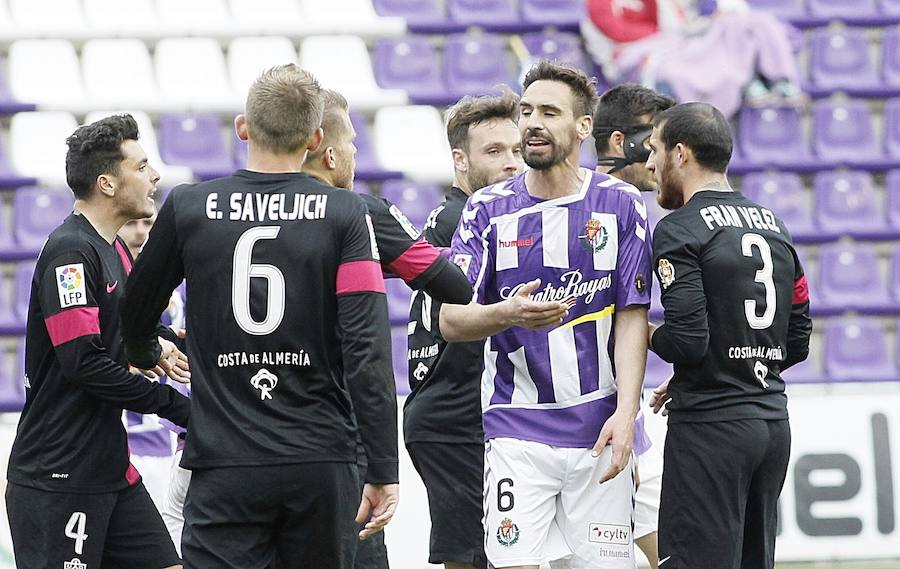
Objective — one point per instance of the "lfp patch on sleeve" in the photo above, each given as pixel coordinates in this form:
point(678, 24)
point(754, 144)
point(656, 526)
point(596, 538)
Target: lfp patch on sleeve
point(666, 273)
point(404, 222)
point(463, 261)
point(70, 285)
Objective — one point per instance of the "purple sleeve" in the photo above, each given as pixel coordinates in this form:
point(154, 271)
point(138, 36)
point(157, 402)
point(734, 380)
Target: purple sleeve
point(635, 253)
point(468, 248)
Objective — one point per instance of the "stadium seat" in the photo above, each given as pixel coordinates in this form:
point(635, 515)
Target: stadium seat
point(892, 188)
point(422, 16)
point(476, 64)
point(785, 194)
point(134, 84)
point(890, 9)
point(792, 10)
point(47, 19)
point(557, 46)
point(361, 187)
point(170, 175)
point(239, 152)
point(657, 371)
point(413, 140)
point(411, 63)
point(37, 212)
point(22, 276)
point(248, 57)
point(55, 83)
point(858, 12)
point(38, 144)
point(9, 104)
point(892, 128)
point(840, 61)
point(106, 18)
point(561, 14)
point(398, 299)
point(399, 346)
point(493, 15)
point(774, 137)
point(12, 387)
point(807, 371)
point(197, 17)
point(856, 349)
point(342, 63)
point(8, 177)
point(415, 200)
point(739, 163)
point(196, 141)
point(356, 17)
point(851, 277)
point(191, 75)
point(894, 279)
point(844, 135)
point(268, 17)
point(890, 57)
point(848, 203)
point(367, 166)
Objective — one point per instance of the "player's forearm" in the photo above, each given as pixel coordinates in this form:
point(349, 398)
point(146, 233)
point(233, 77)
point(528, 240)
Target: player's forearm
point(630, 354)
point(448, 285)
point(799, 331)
point(473, 321)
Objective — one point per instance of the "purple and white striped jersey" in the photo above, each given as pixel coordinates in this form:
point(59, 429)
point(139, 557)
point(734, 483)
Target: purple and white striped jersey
point(592, 250)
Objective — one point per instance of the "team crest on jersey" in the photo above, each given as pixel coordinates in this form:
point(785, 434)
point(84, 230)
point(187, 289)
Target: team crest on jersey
point(595, 236)
point(507, 533)
point(265, 381)
point(75, 563)
point(70, 285)
point(666, 273)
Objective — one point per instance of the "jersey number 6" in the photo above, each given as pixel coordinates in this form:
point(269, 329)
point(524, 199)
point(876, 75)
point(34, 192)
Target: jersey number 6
point(243, 270)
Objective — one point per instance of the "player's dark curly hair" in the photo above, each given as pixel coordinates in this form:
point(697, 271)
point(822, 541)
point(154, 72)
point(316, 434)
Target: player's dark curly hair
point(622, 107)
point(584, 89)
point(470, 111)
point(96, 149)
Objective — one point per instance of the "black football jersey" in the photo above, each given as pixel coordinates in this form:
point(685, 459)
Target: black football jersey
point(736, 308)
point(70, 436)
point(286, 324)
point(445, 402)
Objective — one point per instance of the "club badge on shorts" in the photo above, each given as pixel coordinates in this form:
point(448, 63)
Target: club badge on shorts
point(595, 236)
point(507, 533)
point(75, 563)
point(666, 273)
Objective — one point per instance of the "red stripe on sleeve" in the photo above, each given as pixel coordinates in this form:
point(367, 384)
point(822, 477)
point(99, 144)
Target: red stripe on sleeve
point(414, 261)
point(359, 276)
point(73, 323)
point(123, 255)
point(801, 290)
point(131, 473)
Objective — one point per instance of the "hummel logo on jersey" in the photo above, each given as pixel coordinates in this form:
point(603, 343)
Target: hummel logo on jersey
point(110, 287)
point(265, 381)
point(516, 242)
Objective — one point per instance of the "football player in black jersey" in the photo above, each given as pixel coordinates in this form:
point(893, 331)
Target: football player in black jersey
point(736, 316)
point(442, 416)
point(287, 321)
point(74, 499)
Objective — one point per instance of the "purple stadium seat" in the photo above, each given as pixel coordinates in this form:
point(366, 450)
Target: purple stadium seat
point(12, 388)
point(8, 177)
point(892, 187)
point(398, 297)
point(476, 64)
point(8, 103)
point(856, 349)
point(195, 141)
point(840, 61)
point(367, 166)
point(493, 15)
point(412, 64)
point(415, 200)
point(37, 212)
point(561, 14)
point(786, 196)
point(22, 276)
point(785, 9)
point(422, 16)
point(361, 187)
point(398, 355)
point(847, 203)
point(892, 128)
point(851, 278)
point(774, 136)
point(894, 280)
point(890, 9)
point(239, 152)
point(557, 46)
point(739, 164)
point(657, 372)
point(858, 12)
point(844, 134)
point(807, 371)
point(890, 57)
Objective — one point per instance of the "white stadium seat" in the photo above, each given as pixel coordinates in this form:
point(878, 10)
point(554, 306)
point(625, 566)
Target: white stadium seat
point(46, 73)
point(250, 56)
point(267, 17)
point(343, 63)
point(413, 140)
point(47, 18)
point(169, 175)
point(350, 17)
point(190, 73)
point(37, 146)
point(196, 17)
point(132, 84)
point(136, 18)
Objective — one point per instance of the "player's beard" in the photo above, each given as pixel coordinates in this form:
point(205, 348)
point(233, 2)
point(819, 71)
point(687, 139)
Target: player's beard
point(481, 178)
point(557, 154)
point(671, 190)
point(638, 176)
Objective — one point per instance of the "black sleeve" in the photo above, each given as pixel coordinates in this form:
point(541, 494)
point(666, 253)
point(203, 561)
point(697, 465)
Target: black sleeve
point(74, 330)
point(448, 285)
point(441, 226)
point(156, 273)
point(799, 324)
point(364, 331)
point(684, 337)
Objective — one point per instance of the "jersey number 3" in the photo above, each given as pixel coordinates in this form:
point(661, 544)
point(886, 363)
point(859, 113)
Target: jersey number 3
point(764, 276)
point(243, 270)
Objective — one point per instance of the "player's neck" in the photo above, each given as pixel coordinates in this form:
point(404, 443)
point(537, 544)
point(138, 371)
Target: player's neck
point(320, 176)
point(563, 179)
point(104, 222)
point(714, 181)
point(269, 163)
point(463, 184)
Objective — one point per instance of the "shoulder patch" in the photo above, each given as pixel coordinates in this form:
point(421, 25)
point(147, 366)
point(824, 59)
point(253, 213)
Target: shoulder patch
point(463, 261)
point(70, 285)
point(404, 222)
point(666, 273)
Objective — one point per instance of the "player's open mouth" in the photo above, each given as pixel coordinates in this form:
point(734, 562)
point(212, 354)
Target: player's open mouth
point(536, 142)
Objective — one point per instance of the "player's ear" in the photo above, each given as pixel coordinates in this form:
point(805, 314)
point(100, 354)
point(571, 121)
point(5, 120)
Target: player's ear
point(106, 184)
point(315, 140)
point(585, 126)
point(616, 143)
point(460, 160)
point(682, 153)
point(240, 127)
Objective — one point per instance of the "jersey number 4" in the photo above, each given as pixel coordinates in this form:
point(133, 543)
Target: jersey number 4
point(75, 530)
point(764, 276)
point(243, 270)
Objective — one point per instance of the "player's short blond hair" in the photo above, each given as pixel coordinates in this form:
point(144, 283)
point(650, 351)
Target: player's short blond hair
point(335, 107)
point(284, 109)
